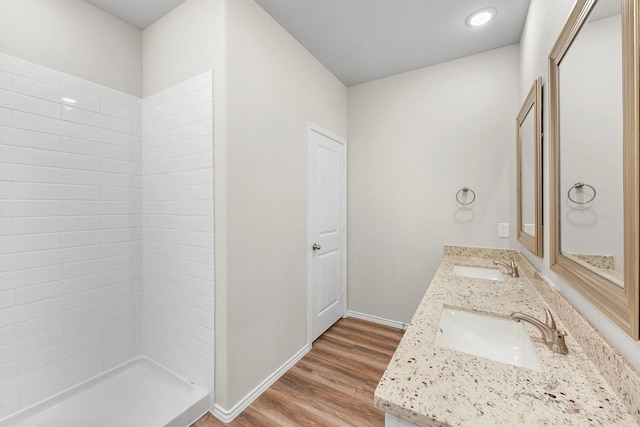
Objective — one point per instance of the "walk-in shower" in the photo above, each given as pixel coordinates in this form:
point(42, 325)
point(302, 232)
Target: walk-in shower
point(106, 250)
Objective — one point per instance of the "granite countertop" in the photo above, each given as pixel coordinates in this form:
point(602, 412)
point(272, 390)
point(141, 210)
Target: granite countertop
point(433, 386)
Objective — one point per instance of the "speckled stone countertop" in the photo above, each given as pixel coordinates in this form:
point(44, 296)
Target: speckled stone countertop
point(433, 386)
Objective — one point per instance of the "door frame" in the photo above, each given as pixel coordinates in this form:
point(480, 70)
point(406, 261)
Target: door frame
point(311, 127)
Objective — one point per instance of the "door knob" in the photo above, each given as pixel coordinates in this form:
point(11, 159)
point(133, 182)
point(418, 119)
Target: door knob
point(316, 247)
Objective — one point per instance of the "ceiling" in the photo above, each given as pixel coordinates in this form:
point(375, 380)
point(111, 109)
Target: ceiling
point(139, 13)
point(363, 40)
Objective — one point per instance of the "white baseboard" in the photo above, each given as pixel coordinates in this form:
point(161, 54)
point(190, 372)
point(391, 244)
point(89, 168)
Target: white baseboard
point(376, 319)
point(226, 416)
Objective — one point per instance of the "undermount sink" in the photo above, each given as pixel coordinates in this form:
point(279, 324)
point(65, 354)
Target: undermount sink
point(478, 272)
point(484, 335)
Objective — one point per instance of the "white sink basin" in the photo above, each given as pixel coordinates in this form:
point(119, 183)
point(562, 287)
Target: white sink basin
point(478, 272)
point(496, 338)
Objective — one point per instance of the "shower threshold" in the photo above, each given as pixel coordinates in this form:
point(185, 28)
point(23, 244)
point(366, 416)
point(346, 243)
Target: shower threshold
point(139, 393)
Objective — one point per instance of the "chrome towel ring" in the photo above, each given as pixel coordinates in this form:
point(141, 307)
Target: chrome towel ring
point(579, 188)
point(464, 193)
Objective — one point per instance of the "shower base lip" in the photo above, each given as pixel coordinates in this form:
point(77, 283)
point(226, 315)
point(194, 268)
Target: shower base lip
point(138, 393)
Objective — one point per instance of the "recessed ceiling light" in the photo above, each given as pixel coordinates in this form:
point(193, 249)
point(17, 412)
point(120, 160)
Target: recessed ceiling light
point(481, 17)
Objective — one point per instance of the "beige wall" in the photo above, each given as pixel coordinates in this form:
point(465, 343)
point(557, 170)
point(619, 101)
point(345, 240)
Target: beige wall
point(415, 139)
point(543, 25)
point(76, 38)
point(187, 41)
point(275, 87)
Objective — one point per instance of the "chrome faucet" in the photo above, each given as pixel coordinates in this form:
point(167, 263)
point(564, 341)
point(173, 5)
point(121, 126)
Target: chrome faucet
point(512, 268)
point(553, 338)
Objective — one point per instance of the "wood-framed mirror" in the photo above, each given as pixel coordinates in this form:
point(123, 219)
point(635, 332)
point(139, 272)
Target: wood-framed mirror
point(529, 170)
point(594, 148)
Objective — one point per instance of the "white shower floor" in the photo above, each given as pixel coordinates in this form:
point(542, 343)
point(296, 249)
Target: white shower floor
point(139, 394)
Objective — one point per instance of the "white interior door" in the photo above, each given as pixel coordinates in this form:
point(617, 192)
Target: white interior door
point(327, 230)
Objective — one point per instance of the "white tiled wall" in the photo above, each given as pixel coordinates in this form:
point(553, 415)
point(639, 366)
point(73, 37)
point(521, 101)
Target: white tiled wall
point(73, 201)
point(178, 229)
point(70, 231)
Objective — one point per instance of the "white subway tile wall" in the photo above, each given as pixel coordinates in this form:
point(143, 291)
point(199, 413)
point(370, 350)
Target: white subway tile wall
point(178, 293)
point(71, 231)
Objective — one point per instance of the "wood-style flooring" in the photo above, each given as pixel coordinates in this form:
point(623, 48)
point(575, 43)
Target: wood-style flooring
point(332, 385)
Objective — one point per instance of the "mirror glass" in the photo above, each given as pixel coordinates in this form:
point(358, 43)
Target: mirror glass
point(594, 146)
point(591, 151)
point(529, 163)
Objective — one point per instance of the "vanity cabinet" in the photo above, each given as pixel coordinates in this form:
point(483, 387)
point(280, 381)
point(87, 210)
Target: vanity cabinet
point(393, 421)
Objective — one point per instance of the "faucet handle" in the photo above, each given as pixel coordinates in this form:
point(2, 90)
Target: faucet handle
point(514, 268)
point(550, 321)
point(557, 342)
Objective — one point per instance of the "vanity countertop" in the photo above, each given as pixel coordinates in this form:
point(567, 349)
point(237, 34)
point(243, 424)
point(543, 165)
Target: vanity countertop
point(433, 386)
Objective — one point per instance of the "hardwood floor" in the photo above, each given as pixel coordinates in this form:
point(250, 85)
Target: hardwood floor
point(332, 385)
